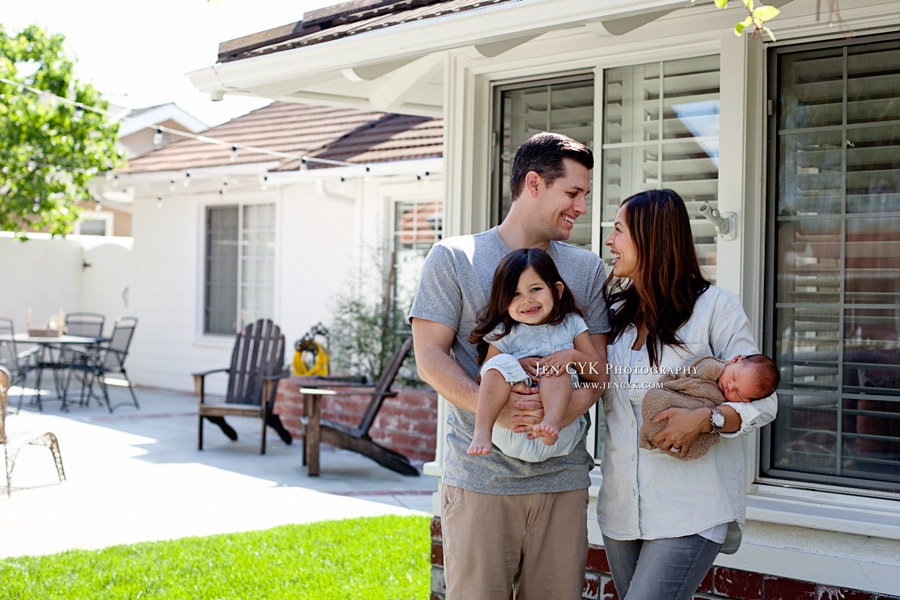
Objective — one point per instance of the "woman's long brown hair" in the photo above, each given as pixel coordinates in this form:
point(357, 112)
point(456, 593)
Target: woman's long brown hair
point(667, 279)
point(503, 288)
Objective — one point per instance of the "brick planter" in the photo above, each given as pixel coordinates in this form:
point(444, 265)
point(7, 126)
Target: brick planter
point(721, 583)
point(406, 423)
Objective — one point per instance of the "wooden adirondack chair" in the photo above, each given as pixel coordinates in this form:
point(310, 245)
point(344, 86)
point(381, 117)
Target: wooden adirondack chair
point(256, 366)
point(357, 438)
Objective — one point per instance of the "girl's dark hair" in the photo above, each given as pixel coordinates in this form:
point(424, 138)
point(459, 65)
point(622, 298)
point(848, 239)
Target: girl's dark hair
point(667, 279)
point(503, 288)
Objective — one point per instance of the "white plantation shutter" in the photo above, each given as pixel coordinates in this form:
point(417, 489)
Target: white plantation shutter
point(834, 317)
point(661, 130)
point(562, 106)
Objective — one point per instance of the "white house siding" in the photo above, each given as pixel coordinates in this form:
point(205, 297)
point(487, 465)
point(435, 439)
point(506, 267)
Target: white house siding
point(831, 538)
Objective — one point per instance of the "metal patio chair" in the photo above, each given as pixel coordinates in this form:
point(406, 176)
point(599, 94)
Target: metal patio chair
point(18, 363)
point(96, 363)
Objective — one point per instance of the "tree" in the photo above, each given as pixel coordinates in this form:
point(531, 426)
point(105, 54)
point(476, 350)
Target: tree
point(50, 148)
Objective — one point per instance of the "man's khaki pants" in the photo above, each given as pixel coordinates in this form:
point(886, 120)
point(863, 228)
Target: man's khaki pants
point(535, 542)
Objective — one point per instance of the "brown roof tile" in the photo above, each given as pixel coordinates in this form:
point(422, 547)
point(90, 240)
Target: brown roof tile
point(300, 129)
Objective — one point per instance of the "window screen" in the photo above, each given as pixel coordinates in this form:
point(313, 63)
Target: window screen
point(833, 320)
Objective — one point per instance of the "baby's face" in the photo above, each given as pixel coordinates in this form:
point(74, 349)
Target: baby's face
point(738, 382)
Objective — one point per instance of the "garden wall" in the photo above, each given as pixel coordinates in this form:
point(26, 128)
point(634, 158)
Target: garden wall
point(406, 423)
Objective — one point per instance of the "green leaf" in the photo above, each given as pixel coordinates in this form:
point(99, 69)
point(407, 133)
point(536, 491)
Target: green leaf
point(739, 28)
point(764, 13)
point(721, 3)
point(749, 5)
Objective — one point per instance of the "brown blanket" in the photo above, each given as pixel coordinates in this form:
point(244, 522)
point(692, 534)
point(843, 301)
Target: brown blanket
point(684, 390)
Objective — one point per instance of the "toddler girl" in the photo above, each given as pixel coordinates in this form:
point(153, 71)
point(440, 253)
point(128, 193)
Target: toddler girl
point(531, 313)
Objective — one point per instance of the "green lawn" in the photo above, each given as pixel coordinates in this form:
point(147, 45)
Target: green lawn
point(372, 558)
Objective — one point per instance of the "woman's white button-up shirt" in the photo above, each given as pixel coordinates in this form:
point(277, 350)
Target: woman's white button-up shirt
point(648, 494)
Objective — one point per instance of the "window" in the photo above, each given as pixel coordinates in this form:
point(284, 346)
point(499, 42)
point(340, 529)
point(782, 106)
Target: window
point(561, 105)
point(240, 266)
point(418, 225)
point(95, 223)
point(661, 130)
point(833, 314)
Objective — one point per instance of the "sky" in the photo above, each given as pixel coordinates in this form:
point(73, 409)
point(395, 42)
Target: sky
point(137, 53)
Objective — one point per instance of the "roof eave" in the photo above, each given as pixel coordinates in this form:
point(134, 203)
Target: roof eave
point(522, 20)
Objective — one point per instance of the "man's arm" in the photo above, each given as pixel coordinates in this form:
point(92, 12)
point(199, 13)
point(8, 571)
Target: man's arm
point(432, 342)
point(585, 397)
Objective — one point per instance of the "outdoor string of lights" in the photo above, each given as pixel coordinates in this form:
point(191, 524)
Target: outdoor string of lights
point(158, 137)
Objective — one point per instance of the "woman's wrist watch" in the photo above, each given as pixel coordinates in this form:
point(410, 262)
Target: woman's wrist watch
point(716, 419)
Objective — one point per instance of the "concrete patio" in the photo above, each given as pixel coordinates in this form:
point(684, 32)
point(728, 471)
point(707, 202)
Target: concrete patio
point(136, 475)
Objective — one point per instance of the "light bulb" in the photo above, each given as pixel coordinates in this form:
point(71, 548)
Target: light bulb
point(233, 153)
point(158, 137)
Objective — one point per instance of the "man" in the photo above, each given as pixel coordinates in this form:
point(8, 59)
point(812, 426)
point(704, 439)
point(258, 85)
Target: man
point(505, 520)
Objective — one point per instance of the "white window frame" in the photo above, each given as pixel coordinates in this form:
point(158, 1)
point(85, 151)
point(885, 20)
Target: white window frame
point(239, 201)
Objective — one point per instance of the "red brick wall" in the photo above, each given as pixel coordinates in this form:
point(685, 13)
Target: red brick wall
point(720, 583)
point(406, 423)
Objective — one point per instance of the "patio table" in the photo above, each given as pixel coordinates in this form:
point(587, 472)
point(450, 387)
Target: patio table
point(47, 360)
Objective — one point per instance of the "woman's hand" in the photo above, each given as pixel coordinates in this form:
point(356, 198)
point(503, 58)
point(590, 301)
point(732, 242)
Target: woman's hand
point(554, 365)
point(681, 430)
point(523, 410)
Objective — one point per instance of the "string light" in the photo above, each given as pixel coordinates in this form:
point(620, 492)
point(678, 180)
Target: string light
point(342, 184)
point(159, 199)
point(115, 182)
point(171, 185)
point(169, 130)
point(158, 137)
point(265, 182)
point(427, 178)
point(187, 179)
point(97, 205)
point(368, 170)
point(78, 114)
point(233, 153)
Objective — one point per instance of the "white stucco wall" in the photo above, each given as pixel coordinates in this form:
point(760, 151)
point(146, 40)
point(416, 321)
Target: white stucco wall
point(323, 237)
point(79, 273)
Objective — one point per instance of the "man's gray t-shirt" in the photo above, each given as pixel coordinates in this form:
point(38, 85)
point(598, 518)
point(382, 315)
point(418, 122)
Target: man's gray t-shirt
point(455, 284)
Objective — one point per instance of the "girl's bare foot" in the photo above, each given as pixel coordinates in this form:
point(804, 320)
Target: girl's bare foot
point(548, 432)
point(481, 444)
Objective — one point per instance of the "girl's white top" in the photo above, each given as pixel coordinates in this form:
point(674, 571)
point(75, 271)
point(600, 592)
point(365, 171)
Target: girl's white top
point(648, 494)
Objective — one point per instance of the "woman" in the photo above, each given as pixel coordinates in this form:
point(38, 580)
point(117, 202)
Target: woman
point(664, 520)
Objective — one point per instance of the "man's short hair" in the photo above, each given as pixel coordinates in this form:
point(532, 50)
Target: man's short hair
point(767, 375)
point(543, 153)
